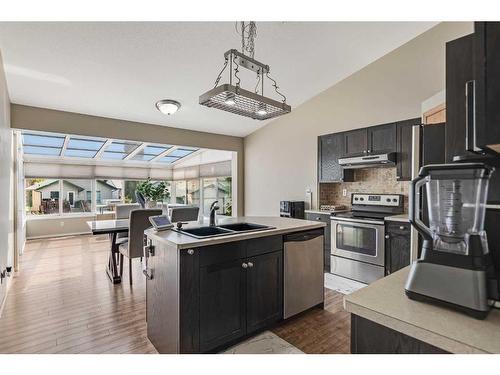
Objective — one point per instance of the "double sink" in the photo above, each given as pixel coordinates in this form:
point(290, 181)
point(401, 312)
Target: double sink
point(222, 230)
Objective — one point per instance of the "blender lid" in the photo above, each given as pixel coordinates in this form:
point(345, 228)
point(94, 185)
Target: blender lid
point(457, 171)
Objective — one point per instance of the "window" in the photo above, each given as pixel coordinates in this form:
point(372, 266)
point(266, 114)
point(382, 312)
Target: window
point(89, 196)
point(76, 195)
point(98, 197)
point(119, 150)
point(180, 192)
point(193, 192)
point(41, 196)
point(217, 189)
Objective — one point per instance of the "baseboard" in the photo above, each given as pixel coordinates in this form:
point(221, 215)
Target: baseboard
point(57, 235)
point(8, 281)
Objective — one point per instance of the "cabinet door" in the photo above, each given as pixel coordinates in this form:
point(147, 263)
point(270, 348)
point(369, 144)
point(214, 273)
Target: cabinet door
point(397, 246)
point(459, 70)
point(330, 148)
point(382, 139)
point(404, 130)
point(264, 290)
point(355, 142)
point(222, 303)
point(325, 218)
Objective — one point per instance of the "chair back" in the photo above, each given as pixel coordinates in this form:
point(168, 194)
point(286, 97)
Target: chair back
point(122, 211)
point(189, 213)
point(139, 222)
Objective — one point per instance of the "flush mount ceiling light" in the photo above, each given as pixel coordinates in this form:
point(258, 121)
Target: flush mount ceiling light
point(168, 106)
point(231, 97)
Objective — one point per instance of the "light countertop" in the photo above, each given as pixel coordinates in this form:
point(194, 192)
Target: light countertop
point(402, 218)
point(280, 225)
point(384, 302)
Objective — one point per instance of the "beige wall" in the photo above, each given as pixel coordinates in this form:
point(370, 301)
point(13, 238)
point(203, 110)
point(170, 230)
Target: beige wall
point(42, 119)
point(6, 184)
point(280, 159)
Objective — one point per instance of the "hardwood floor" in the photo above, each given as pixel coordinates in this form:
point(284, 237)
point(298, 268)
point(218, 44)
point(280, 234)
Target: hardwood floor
point(63, 302)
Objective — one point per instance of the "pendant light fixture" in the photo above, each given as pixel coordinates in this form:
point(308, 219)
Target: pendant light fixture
point(231, 97)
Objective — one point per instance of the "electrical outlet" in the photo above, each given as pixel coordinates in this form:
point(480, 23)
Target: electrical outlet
point(62, 223)
point(344, 192)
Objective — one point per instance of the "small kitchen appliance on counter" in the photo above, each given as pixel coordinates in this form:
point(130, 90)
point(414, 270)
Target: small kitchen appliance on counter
point(294, 209)
point(358, 243)
point(454, 264)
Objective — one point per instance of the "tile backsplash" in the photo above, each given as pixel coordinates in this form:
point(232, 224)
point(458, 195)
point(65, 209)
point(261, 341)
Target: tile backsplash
point(368, 180)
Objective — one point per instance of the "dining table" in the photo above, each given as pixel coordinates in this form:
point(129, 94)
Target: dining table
point(111, 228)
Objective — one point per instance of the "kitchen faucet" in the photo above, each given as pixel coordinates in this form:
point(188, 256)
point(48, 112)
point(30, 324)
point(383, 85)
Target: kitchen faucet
point(213, 208)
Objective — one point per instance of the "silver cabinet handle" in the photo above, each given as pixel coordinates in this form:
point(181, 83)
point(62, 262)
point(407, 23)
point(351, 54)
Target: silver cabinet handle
point(250, 264)
point(387, 236)
point(190, 251)
point(244, 265)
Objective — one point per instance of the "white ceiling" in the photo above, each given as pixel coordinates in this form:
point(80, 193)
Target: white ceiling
point(121, 69)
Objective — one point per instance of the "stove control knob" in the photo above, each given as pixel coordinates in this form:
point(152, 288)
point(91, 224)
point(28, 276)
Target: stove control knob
point(361, 199)
point(355, 199)
point(388, 199)
point(394, 200)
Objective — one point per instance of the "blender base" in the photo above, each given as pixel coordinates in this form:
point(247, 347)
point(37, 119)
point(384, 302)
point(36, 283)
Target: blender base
point(460, 289)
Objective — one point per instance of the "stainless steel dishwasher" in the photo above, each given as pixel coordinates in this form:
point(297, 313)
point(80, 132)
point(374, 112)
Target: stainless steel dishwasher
point(304, 279)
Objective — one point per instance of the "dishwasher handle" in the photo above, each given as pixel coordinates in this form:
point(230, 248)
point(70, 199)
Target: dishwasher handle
point(304, 236)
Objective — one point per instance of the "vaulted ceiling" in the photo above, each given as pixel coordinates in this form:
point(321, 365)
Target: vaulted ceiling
point(120, 69)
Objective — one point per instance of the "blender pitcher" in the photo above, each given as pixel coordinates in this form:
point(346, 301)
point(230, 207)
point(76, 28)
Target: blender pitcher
point(454, 255)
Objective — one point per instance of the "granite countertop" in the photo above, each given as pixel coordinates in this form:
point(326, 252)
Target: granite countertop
point(402, 218)
point(384, 302)
point(281, 225)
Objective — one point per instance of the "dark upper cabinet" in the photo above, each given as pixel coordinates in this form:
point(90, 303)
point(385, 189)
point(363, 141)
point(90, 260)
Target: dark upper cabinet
point(404, 142)
point(264, 290)
point(325, 218)
point(397, 246)
point(330, 148)
point(485, 131)
point(461, 70)
point(222, 303)
point(355, 142)
point(381, 139)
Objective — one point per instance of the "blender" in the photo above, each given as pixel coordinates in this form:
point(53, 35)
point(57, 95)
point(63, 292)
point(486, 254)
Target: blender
point(453, 266)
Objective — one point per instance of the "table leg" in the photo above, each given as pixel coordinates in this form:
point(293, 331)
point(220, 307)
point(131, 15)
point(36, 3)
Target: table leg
point(112, 270)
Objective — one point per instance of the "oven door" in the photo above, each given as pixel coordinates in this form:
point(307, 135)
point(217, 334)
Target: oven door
point(361, 241)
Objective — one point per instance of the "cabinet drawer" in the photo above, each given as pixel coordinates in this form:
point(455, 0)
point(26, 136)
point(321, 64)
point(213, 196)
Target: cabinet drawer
point(263, 245)
point(313, 216)
point(221, 253)
point(397, 227)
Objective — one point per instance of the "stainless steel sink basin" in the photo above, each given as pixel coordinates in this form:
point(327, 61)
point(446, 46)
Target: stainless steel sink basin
point(222, 230)
point(244, 227)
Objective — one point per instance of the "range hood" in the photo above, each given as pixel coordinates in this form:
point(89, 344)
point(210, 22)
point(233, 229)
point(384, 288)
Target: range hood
point(369, 161)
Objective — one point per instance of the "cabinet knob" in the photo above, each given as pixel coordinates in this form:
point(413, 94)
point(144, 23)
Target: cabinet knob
point(190, 251)
point(401, 227)
point(364, 151)
point(387, 236)
point(250, 264)
point(244, 265)
point(318, 218)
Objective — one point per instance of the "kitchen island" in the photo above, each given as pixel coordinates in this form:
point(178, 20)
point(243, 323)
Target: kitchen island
point(384, 320)
point(205, 294)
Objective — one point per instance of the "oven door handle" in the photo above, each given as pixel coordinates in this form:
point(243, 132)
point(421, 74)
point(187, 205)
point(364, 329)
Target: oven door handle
point(360, 223)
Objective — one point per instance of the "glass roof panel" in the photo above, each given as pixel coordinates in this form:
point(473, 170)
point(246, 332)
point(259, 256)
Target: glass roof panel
point(154, 150)
point(39, 150)
point(168, 159)
point(123, 147)
point(80, 153)
point(181, 152)
point(42, 140)
point(143, 157)
point(85, 144)
point(113, 155)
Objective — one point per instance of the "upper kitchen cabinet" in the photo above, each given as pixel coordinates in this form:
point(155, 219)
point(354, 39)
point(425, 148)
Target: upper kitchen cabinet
point(404, 133)
point(484, 124)
point(355, 142)
point(330, 148)
point(381, 139)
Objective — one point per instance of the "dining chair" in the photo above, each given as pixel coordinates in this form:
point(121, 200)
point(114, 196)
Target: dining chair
point(133, 248)
point(122, 211)
point(140, 199)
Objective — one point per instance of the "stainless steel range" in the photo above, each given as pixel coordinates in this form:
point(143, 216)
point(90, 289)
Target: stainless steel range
point(358, 242)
